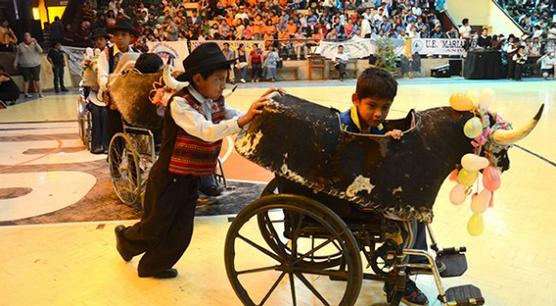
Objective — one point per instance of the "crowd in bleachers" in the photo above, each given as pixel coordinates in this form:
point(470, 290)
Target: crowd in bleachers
point(536, 17)
point(289, 25)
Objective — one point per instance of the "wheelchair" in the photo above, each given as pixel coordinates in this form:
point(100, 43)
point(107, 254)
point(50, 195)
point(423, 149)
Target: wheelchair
point(131, 154)
point(313, 243)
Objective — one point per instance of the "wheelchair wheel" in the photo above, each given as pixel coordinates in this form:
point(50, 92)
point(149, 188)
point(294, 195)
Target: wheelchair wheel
point(125, 172)
point(270, 225)
point(288, 268)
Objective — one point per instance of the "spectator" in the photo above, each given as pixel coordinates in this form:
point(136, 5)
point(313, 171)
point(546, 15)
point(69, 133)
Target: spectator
point(55, 57)
point(230, 55)
point(270, 64)
point(28, 60)
point(256, 60)
point(241, 63)
point(548, 65)
point(340, 61)
point(8, 40)
point(465, 29)
point(9, 92)
point(484, 40)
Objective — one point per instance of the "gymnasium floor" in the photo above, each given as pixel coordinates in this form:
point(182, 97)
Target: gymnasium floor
point(77, 264)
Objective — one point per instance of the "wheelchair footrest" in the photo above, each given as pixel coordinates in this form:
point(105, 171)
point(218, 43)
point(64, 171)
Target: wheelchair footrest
point(467, 295)
point(455, 264)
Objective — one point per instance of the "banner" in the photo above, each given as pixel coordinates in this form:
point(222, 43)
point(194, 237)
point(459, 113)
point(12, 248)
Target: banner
point(171, 52)
point(75, 57)
point(438, 46)
point(234, 44)
point(357, 47)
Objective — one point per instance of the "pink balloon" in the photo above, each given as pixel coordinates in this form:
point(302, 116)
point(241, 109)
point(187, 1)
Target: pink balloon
point(491, 178)
point(458, 194)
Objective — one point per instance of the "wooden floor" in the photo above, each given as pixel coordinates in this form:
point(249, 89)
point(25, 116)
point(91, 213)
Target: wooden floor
point(512, 262)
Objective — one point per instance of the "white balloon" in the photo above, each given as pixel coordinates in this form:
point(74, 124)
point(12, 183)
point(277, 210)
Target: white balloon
point(472, 162)
point(486, 98)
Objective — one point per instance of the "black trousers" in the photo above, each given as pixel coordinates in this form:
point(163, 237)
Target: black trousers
point(165, 230)
point(518, 70)
point(113, 123)
point(98, 116)
point(341, 69)
point(511, 68)
point(58, 72)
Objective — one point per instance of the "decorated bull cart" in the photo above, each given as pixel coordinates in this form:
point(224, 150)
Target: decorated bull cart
point(339, 195)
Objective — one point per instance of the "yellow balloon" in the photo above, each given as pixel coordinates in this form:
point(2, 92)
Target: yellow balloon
point(467, 178)
point(473, 96)
point(461, 102)
point(476, 225)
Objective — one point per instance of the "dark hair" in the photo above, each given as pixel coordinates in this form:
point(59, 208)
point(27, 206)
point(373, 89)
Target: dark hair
point(206, 74)
point(464, 21)
point(340, 46)
point(226, 44)
point(148, 63)
point(376, 83)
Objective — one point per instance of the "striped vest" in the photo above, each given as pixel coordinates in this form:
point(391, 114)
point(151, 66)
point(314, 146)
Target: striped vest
point(192, 155)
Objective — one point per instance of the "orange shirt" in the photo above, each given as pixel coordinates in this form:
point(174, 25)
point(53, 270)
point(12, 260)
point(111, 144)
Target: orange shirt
point(270, 29)
point(292, 28)
point(252, 2)
point(257, 29)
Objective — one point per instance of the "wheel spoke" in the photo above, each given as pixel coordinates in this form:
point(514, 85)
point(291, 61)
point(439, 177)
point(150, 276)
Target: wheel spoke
point(311, 252)
point(275, 267)
point(260, 248)
point(292, 287)
point(312, 288)
point(272, 288)
point(295, 234)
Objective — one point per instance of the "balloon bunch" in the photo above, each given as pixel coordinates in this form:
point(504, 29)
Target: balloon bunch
point(478, 129)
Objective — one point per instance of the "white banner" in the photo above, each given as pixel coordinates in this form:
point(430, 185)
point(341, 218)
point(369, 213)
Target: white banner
point(357, 47)
point(437, 46)
point(172, 52)
point(75, 57)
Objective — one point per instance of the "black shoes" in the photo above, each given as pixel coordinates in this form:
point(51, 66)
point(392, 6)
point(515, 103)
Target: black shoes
point(169, 273)
point(212, 191)
point(119, 230)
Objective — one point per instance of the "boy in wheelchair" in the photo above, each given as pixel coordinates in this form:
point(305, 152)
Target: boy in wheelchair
point(374, 93)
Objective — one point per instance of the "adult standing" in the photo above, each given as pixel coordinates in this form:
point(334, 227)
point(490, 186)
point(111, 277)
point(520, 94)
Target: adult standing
point(28, 60)
point(56, 58)
point(107, 62)
point(340, 61)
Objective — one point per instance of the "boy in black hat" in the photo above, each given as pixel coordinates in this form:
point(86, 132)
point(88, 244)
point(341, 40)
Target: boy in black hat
point(107, 62)
point(195, 122)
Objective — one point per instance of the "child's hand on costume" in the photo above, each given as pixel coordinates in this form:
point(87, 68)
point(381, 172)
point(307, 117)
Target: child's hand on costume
point(396, 134)
point(273, 90)
point(255, 109)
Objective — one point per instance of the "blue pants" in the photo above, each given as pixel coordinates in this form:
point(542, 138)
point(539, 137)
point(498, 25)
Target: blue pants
point(420, 234)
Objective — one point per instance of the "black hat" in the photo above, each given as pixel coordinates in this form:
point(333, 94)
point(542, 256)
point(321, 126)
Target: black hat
point(100, 32)
point(123, 25)
point(206, 57)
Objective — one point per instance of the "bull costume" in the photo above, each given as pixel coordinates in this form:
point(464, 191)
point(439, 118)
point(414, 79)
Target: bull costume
point(193, 129)
point(349, 121)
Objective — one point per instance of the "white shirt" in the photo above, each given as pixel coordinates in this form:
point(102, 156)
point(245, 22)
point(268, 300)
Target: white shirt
point(103, 68)
point(465, 31)
point(340, 58)
point(547, 62)
point(195, 124)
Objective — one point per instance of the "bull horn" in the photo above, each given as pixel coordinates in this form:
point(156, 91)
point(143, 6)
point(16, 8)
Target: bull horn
point(170, 81)
point(507, 137)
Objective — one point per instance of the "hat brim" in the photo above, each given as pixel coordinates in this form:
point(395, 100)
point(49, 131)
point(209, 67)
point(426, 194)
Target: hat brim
point(189, 73)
